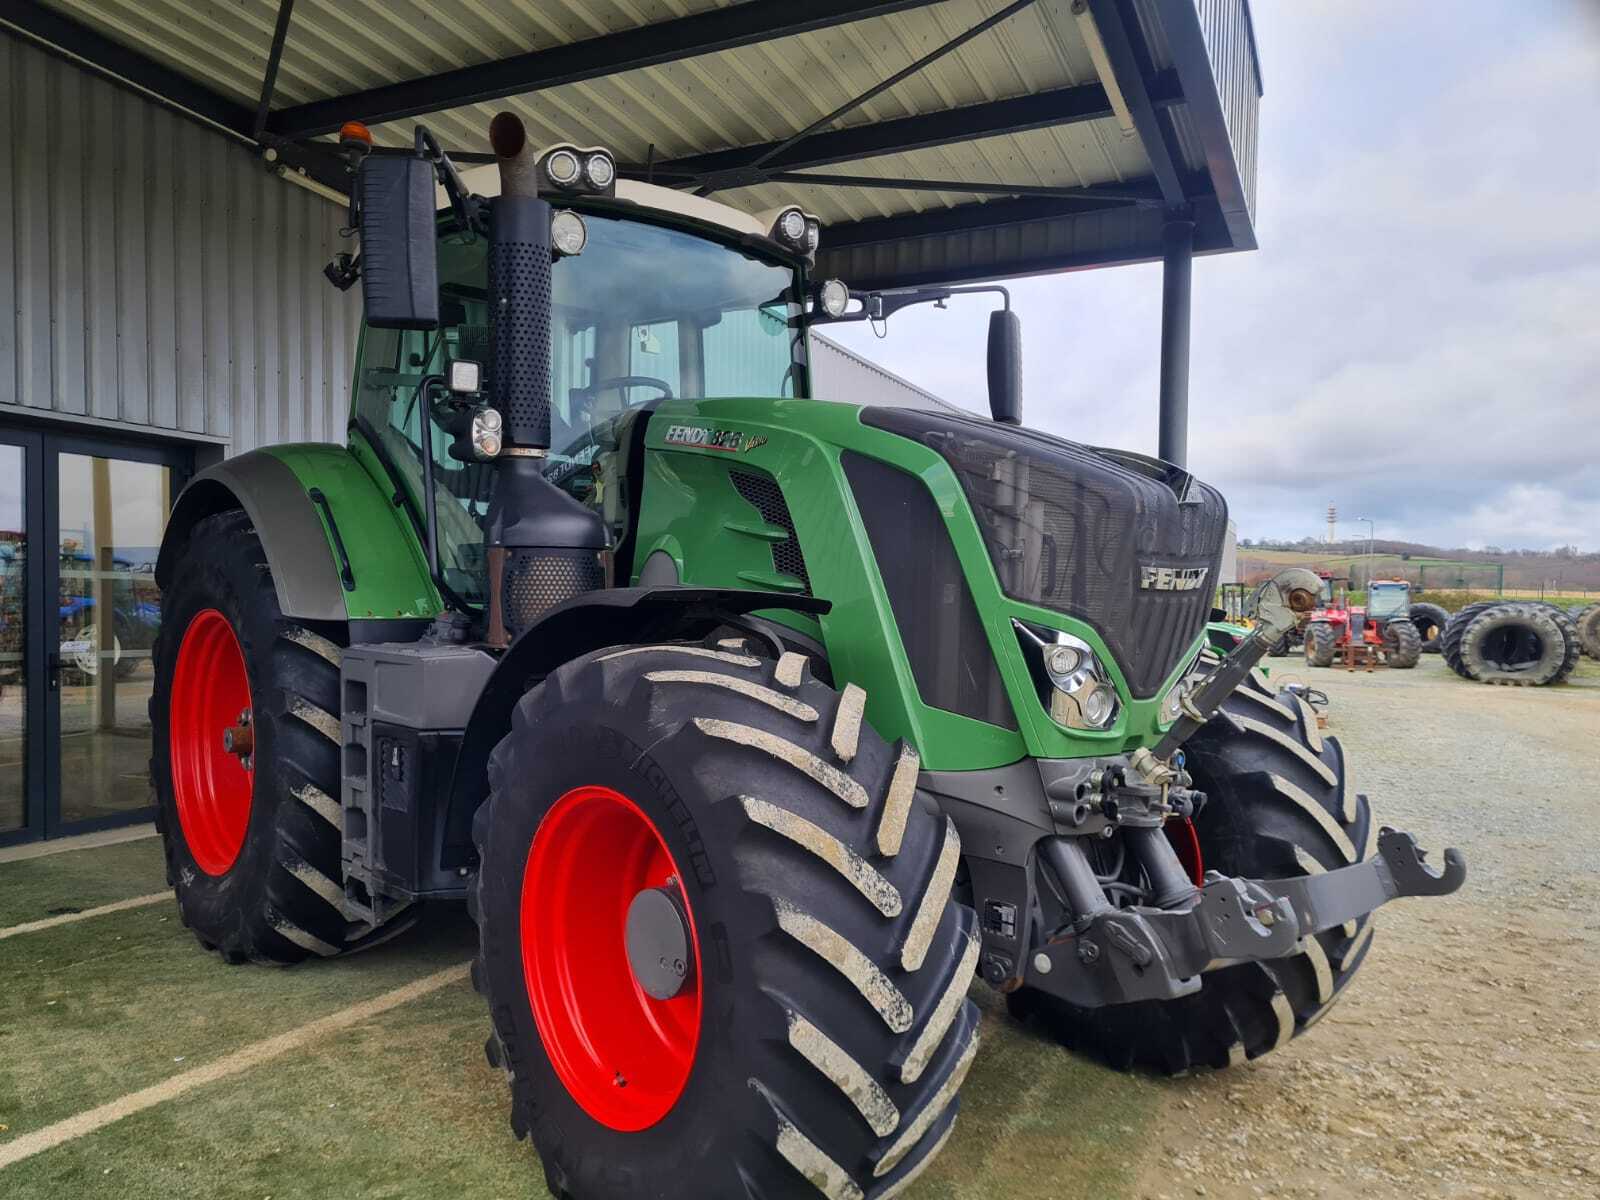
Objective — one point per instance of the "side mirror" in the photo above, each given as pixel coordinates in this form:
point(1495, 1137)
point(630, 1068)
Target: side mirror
point(399, 254)
point(1005, 366)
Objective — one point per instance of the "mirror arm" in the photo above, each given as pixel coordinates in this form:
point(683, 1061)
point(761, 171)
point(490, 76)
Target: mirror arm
point(880, 306)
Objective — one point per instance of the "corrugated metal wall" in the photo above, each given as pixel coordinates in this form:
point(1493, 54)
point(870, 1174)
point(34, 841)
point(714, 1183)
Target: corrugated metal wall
point(156, 275)
point(844, 376)
point(1230, 44)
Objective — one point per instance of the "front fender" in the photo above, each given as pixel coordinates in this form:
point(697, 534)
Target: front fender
point(592, 621)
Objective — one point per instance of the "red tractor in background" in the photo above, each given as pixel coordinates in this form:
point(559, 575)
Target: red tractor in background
point(1381, 629)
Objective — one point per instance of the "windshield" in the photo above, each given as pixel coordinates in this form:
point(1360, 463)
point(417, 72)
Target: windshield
point(1386, 599)
point(644, 313)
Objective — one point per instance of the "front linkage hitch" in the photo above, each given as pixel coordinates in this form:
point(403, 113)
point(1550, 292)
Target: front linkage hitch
point(1111, 955)
point(1121, 955)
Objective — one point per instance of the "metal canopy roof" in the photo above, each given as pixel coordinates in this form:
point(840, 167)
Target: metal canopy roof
point(939, 140)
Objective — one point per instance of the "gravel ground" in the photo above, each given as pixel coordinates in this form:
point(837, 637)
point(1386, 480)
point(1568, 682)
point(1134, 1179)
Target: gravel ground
point(1465, 1058)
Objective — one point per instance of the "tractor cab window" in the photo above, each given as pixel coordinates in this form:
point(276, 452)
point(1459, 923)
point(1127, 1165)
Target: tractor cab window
point(645, 313)
point(1387, 599)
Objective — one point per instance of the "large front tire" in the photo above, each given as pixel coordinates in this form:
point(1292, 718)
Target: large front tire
point(1280, 805)
point(1402, 644)
point(823, 1028)
point(252, 840)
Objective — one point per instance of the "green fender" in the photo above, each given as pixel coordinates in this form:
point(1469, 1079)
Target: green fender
point(339, 547)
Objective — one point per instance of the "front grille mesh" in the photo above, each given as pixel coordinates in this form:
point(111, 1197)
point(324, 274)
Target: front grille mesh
point(1074, 529)
point(763, 493)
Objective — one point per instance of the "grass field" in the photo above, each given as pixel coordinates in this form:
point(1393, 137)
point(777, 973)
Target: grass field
point(399, 1105)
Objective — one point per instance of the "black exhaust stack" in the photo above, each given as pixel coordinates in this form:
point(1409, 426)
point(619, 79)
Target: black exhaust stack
point(543, 547)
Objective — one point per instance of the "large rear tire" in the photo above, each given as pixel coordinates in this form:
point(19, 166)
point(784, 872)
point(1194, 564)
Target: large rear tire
point(252, 850)
point(1280, 805)
point(1430, 620)
point(1518, 645)
point(1587, 626)
point(823, 1030)
point(1450, 640)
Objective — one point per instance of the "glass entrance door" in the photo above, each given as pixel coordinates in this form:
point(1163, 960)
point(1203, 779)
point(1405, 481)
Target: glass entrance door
point(80, 524)
point(109, 516)
point(19, 467)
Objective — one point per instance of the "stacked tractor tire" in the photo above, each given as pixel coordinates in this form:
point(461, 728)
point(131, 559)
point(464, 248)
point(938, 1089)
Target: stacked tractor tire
point(1430, 620)
point(1519, 643)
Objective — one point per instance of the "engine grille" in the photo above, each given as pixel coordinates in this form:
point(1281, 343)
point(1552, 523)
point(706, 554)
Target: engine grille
point(1102, 536)
point(764, 495)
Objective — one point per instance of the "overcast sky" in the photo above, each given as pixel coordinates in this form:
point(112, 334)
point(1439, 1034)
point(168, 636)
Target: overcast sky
point(1418, 338)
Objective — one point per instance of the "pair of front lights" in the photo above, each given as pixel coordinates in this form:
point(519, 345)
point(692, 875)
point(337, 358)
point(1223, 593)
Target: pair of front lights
point(569, 169)
point(487, 435)
point(1074, 685)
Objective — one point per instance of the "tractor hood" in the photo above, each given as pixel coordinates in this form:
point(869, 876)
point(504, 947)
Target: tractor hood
point(1131, 545)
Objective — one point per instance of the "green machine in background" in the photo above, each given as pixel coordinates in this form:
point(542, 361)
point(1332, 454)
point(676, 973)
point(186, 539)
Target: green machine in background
point(750, 726)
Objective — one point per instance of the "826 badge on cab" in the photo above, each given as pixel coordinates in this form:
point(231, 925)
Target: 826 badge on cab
point(729, 440)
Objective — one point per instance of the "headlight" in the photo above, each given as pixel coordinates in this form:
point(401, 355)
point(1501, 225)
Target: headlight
point(568, 233)
point(833, 297)
point(579, 170)
point(600, 171)
point(792, 226)
point(1074, 686)
point(562, 168)
point(486, 438)
point(1172, 703)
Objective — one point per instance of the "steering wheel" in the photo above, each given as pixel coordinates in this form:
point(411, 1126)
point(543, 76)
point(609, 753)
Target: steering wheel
point(626, 381)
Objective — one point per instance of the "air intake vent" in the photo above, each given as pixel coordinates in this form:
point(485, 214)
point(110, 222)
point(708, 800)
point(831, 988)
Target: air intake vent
point(933, 606)
point(766, 498)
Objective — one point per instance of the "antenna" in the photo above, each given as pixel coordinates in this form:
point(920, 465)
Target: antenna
point(1333, 524)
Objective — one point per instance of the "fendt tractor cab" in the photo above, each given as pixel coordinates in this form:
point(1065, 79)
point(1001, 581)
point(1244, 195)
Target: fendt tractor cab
point(1382, 628)
point(750, 726)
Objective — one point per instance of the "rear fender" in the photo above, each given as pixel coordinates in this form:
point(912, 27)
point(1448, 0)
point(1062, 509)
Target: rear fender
point(592, 621)
point(338, 547)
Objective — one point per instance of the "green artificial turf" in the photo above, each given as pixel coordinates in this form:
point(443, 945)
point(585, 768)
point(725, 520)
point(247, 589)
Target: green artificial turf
point(403, 1104)
point(36, 888)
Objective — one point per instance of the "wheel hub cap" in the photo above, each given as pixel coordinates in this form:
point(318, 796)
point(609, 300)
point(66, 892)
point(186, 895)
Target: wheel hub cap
point(657, 939)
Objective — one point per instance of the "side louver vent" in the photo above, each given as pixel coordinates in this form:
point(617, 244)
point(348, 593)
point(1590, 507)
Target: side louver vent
point(765, 497)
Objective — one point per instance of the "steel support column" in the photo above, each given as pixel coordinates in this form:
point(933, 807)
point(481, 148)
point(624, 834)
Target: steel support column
point(1177, 261)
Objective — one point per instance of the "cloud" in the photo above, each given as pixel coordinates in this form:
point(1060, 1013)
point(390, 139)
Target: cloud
point(1416, 340)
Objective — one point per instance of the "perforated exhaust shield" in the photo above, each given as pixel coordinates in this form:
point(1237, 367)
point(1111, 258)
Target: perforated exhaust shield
point(519, 317)
point(1130, 545)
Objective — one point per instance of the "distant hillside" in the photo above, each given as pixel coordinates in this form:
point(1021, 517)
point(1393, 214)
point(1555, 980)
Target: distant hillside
point(1564, 570)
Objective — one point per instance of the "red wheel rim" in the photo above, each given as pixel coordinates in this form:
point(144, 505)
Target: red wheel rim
point(623, 1055)
point(1186, 844)
point(212, 785)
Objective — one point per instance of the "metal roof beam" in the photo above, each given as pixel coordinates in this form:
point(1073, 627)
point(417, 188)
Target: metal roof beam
point(1113, 20)
point(76, 42)
point(963, 218)
point(1137, 194)
point(1063, 106)
point(610, 54)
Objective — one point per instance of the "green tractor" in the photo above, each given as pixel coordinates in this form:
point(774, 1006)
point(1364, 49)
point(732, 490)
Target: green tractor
point(750, 727)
